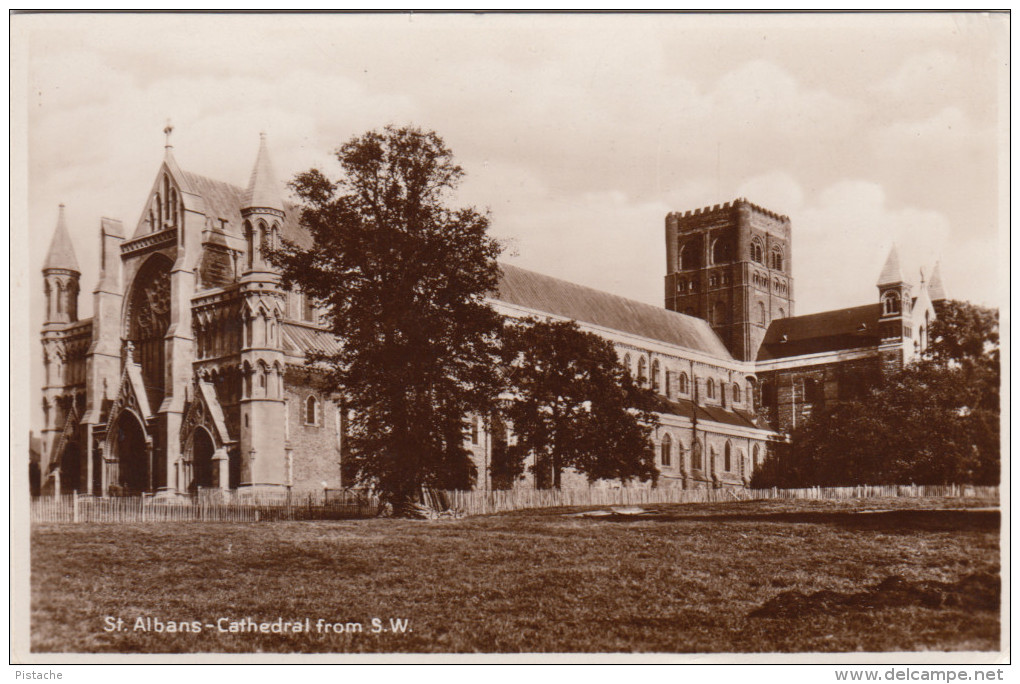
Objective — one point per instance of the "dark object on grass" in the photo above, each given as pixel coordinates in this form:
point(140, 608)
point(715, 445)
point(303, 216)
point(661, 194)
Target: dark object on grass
point(980, 591)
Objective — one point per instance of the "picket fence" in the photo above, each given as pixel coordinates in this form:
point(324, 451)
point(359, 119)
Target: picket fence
point(339, 505)
point(207, 508)
point(482, 502)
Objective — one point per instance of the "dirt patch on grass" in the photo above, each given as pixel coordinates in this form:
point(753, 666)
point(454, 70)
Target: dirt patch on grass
point(979, 591)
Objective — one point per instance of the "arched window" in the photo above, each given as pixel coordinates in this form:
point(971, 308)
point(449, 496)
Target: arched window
point(311, 410)
point(173, 206)
point(626, 363)
point(681, 287)
point(757, 252)
point(757, 456)
point(736, 393)
point(713, 280)
point(642, 371)
point(682, 383)
point(710, 388)
point(655, 375)
point(668, 384)
point(761, 314)
point(777, 259)
point(308, 309)
point(246, 371)
point(782, 312)
point(667, 449)
point(688, 257)
point(249, 240)
point(696, 456)
point(727, 463)
point(890, 303)
point(720, 251)
point(158, 206)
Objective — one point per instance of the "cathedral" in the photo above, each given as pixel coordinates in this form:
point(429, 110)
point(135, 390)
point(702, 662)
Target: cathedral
point(191, 375)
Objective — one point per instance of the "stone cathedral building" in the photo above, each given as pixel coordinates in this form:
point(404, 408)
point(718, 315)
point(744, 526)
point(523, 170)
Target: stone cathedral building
point(190, 373)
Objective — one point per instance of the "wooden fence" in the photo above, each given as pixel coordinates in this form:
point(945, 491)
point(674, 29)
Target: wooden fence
point(482, 502)
point(328, 505)
point(204, 507)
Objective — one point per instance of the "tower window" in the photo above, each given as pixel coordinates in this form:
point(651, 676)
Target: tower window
point(688, 257)
point(761, 313)
point(757, 252)
point(890, 303)
point(720, 251)
point(777, 259)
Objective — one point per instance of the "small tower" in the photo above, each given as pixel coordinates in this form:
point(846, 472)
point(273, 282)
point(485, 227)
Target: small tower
point(262, 359)
point(61, 275)
point(894, 318)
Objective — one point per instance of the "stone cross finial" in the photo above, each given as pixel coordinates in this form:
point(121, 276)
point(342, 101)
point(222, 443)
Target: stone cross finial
point(167, 131)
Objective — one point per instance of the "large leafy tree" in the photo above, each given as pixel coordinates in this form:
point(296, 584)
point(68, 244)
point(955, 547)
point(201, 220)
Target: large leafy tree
point(402, 277)
point(934, 422)
point(572, 405)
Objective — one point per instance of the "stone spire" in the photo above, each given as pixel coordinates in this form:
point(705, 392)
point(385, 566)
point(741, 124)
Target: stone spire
point(936, 290)
point(892, 274)
point(61, 254)
point(263, 191)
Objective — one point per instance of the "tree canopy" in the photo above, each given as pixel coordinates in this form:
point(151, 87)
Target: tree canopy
point(573, 405)
point(934, 422)
point(402, 278)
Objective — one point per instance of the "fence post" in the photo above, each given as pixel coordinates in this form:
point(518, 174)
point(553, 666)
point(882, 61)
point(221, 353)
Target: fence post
point(74, 504)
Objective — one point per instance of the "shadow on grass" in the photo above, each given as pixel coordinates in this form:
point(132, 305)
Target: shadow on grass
point(979, 591)
point(901, 521)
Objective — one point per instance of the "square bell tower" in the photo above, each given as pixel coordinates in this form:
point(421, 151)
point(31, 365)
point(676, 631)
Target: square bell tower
point(730, 265)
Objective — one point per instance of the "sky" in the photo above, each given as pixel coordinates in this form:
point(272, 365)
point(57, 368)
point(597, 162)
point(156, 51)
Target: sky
point(579, 133)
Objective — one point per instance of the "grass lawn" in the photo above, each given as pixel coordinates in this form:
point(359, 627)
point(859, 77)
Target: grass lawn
point(685, 580)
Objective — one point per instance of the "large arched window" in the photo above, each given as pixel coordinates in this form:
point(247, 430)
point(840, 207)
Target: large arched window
point(642, 370)
point(720, 251)
point(777, 259)
point(727, 457)
point(688, 257)
point(148, 319)
point(655, 375)
point(757, 251)
point(311, 410)
point(667, 451)
point(890, 303)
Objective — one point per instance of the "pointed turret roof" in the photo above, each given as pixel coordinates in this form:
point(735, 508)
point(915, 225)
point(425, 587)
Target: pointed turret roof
point(891, 272)
point(936, 290)
point(61, 254)
point(263, 190)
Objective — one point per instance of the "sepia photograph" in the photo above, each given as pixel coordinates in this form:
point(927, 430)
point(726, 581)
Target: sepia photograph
point(511, 337)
